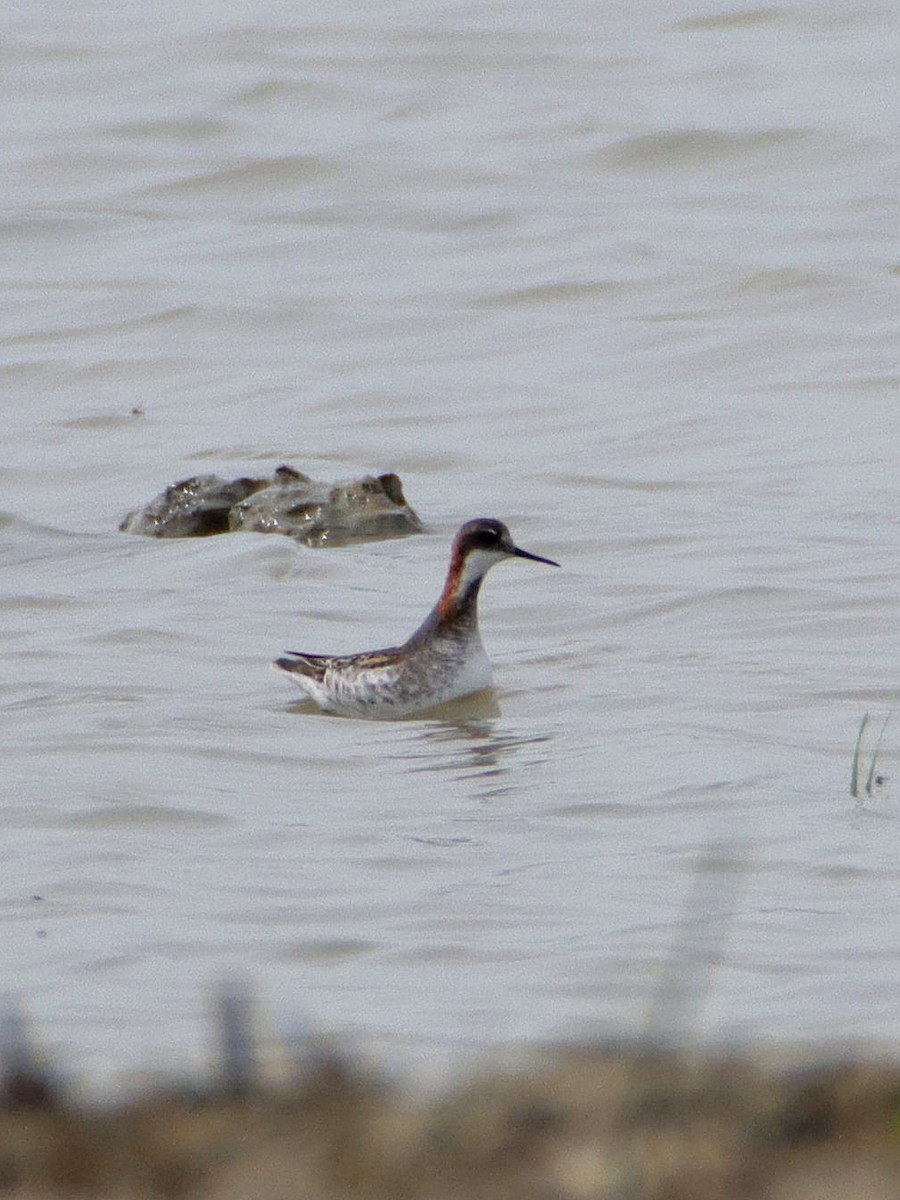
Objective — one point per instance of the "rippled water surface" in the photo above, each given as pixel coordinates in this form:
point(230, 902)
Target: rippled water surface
point(622, 275)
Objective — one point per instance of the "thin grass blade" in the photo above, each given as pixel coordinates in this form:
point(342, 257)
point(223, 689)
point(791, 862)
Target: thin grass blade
point(854, 771)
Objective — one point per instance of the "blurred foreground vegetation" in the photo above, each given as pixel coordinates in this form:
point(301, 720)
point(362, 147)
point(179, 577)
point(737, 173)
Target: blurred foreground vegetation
point(592, 1123)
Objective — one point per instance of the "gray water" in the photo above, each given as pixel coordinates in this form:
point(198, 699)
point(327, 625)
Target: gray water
point(623, 275)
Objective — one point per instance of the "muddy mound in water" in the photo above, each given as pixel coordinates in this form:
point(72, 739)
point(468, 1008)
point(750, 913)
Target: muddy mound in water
point(370, 508)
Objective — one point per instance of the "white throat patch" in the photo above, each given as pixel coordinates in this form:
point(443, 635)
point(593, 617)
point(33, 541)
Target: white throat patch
point(477, 564)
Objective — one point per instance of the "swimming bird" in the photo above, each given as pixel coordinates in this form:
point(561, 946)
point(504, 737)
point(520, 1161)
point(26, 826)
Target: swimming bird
point(443, 660)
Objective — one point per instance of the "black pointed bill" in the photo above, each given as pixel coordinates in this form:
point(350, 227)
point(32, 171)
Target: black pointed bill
point(534, 557)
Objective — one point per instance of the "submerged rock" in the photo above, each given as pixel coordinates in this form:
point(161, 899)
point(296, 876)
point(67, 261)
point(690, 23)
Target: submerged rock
point(319, 514)
point(324, 514)
point(195, 507)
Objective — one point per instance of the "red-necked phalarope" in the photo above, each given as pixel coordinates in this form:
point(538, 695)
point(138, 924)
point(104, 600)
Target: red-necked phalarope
point(443, 660)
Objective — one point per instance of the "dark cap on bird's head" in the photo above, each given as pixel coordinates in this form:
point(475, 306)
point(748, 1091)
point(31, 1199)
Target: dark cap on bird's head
point(490, 535)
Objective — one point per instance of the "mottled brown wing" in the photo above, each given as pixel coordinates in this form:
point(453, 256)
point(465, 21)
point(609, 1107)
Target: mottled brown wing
point(311, 665)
